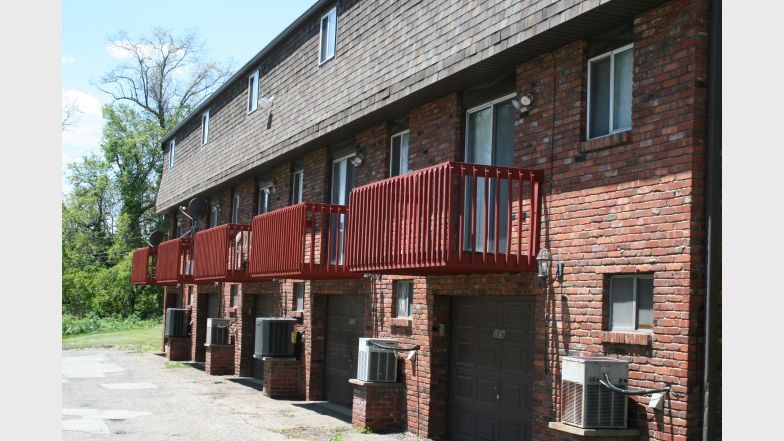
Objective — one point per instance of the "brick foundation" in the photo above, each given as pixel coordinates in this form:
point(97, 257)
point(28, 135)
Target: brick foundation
point(219, 360)
point(282, 378)
point(377, 406)
point(178, 348)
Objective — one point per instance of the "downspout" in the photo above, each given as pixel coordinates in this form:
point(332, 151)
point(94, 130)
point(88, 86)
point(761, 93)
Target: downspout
point(710, 420)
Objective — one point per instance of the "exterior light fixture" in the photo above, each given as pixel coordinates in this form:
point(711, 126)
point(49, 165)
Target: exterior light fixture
point(357, 160)
point(523, 105)
point(544, 259)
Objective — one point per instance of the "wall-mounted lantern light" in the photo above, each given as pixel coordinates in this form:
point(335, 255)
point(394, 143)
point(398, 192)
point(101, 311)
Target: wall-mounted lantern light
point(544, 259)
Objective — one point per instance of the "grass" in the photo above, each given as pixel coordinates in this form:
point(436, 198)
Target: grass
point(143, 339)
point(364, 430)
point(174, 365)
point(337, 438)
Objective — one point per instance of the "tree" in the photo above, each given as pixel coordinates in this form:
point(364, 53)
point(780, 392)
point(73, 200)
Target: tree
point(165, 75)
point(71, 112)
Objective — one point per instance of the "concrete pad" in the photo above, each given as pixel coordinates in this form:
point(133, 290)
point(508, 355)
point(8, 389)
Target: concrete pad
point(128, 386)
point(90, 366)
point(85, 425)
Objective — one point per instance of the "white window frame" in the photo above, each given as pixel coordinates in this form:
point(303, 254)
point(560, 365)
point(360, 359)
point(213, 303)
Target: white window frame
point(635, 312)
point(296, 294)
point(409, 301)
point(391, 143)
point(253, 93)
point(334, 35)
point(190, 294)
point(610, 54)
point(491, 105)
point(214, 211)
point(234, 298)
point(172, 152)
point(205, 127)
point(346, 158)
point(298, 174)
point(266, 188)
point(235, 207)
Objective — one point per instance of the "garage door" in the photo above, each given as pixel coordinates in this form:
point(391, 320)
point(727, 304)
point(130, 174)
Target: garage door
point(491, 358)
point(264, 307)
point(344, 328)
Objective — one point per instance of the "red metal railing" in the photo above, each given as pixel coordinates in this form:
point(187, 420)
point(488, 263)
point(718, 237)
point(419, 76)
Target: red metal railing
point(304, 241)
point(175, 261)
point(221, 254)
point(143, 265)
point(448, 218)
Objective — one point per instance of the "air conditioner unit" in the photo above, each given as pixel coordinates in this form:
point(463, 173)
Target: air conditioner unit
point(377, 360)
point(273, 337)
point(176, 322)
point(218, 331)
point(587, 404)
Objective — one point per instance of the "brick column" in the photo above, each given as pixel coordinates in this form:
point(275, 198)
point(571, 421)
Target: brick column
point(219, 360)
point(377, 406)
point(281, 378)
point(244, 342)
point(198, 325)
point(178, 348)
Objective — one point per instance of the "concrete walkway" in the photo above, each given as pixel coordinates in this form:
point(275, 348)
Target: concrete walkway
point(109, 394)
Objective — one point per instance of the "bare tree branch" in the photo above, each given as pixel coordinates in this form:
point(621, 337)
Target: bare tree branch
point(71, 114)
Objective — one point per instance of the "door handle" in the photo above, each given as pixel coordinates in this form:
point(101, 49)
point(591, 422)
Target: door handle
point(497, 394)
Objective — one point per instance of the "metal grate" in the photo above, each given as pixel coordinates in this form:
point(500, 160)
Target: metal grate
point(572, 402)
point(604, 408)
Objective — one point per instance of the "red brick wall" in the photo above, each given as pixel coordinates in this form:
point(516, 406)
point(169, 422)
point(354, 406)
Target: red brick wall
point(373, 143)
point(282, 378)
point(435, 132)
point(219, 360)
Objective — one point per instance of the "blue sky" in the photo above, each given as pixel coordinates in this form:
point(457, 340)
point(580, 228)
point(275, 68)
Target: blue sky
point(234, 30)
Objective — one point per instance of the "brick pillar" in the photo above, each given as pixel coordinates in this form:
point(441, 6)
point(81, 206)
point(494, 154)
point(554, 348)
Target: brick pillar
point(244, 342)
point(198, 326)
point(281, 378)
point(219, 360)
point(377, 406)
point(178, 348)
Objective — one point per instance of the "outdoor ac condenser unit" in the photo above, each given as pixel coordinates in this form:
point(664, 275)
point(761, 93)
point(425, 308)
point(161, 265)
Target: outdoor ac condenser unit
point(587, 404)
point(176, 322)
point(218, 331)
point(273, 337)
point(377, 363)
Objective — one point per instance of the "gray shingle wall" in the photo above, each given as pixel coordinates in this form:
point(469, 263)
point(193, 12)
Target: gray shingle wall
point(385, 51)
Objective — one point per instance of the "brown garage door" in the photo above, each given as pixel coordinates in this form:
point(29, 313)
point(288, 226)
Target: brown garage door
point(491, 358)
point(344, 328)
point(264, 306)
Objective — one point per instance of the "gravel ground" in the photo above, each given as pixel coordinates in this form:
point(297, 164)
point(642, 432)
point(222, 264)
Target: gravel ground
point(108, 394)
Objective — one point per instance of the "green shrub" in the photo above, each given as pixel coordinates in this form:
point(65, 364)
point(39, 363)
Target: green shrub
point(91, 323)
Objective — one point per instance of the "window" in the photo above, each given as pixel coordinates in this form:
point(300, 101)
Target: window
point(205, 127)
point(399, 156)
point(610, 92)
point(253, 92)
point(190, 295)
point(263, 205)
point(342, 184)
point(299, 296)
point(404, 297)
point(327, 37)
point(235, 207)
point(631, 302)
point(235, 296)
point(296, 187)
point(178, 225)
point(172, 145)
point(214, 213)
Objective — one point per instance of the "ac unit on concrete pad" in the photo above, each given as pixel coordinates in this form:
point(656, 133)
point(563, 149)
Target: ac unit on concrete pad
point(273, 337)
point(377, 360)
point(218, 331)
point(587, 404)
point(176, 322)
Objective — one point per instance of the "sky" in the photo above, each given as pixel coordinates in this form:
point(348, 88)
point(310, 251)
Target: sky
point(234, 31)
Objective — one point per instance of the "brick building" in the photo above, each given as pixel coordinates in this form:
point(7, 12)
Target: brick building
point(465, 138)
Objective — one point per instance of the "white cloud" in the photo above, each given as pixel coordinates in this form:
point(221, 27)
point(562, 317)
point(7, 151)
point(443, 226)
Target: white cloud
point(84, 134)
point(117, 52)
point(68, 59)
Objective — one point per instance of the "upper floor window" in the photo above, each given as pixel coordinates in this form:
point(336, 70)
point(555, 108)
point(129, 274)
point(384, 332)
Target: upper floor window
point(205, 127)
point(296, 186)
point(328, 34)
point(631, 302)
point(253, 92)
point(214, 213)
point(399, 154)
point(172, 148)
point(235, 207)
point(263, 205)
point(610, 92)
point(404, 297)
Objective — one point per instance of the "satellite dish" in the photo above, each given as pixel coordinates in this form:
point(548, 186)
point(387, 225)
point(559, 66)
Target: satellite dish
point(266, 102)
point(156, 237)
point(197, 207)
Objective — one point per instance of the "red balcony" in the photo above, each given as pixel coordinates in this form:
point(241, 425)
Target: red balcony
point(143, 266)
point(305, 241)
point(447, 219)
point(221, 254)
point(175, 261)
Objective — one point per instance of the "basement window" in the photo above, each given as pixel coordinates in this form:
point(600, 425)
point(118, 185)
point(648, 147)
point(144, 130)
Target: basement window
point(205, 127)
point(399, 154)
point(404, 297)
point(299, 296)
point(631, 302)
point(610, 92)
point(253, 92)
point(296, 186)
point(172, 148)
point(328, 35)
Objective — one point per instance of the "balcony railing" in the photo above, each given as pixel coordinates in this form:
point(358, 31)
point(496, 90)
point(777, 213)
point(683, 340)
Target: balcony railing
point(305, 241)
point(446, 219)
point(143, 265)
point(221, 254)
point(175, 261)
